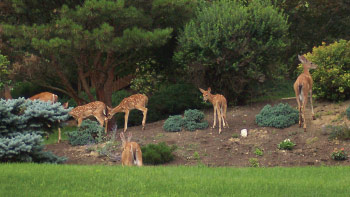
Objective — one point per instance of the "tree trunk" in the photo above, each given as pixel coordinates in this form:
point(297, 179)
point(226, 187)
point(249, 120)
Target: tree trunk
point(7, 92)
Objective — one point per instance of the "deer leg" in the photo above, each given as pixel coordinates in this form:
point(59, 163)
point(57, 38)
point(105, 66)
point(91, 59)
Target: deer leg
point(101, 118)
point(144, 111)
point(126, 117)
point(312, 107)
point(80, 120)
point(59, 132)
point(214, 123)
point(299, 106)
point(224, 115)
point(303, 109)
point(219, 119)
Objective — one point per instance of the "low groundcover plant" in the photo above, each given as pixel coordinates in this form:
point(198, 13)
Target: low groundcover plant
point(286, 145)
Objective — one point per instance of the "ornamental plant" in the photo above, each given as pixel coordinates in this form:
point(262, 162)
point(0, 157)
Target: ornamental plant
point(22, 124)
point(89, 132)
point(193, 120)
point(286, 145)
point(332, 76)
point(339, 155)
point(279, 116)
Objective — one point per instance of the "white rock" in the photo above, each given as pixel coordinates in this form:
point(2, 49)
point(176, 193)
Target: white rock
point(244, 132)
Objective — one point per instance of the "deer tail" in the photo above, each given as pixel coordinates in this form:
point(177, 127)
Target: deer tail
point(301, 96)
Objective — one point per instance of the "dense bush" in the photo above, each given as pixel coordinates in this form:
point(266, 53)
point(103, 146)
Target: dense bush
point(193, 120)
point(234, 45)
point(280, 116)
point(173, 99)
point(157, 153)
point(332, 76)
point(22, 123)
point(173, 123)
point(89, 132)
point(341, 132)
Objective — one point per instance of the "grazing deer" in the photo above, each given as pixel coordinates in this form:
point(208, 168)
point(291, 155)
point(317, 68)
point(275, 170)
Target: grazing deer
point(97, 109)
point(302, 88)
point(49, 97)
point(220, 106)
point(132, 154)
point(136, 101)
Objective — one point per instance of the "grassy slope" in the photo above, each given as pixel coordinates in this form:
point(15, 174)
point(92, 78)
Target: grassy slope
point(53, 137)
point(65, 180)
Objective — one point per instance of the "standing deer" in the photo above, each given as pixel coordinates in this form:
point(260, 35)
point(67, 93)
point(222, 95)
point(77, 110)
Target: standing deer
point(220, 106)
point(136, 101)
point(97, 109)
point(132, 154)
point(302, 88)
point(49, 97)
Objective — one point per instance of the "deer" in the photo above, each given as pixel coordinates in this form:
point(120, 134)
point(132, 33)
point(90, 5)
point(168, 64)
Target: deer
point(49, 97)
point(132, 154)
point(220, 107)
point(97, 109)
point(302, 88)
point(136, 101)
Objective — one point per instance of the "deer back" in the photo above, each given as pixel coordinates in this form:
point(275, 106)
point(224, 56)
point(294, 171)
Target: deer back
point(129, 103)
point(45, 96)
point(89, 109)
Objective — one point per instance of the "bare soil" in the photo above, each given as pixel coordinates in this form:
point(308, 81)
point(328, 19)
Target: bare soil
point(313, 148)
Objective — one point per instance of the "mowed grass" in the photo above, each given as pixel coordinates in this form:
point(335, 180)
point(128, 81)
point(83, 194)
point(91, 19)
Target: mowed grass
point(74, 180)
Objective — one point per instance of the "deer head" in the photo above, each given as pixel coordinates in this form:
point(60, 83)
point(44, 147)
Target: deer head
point(206, 94)
point(306, 63)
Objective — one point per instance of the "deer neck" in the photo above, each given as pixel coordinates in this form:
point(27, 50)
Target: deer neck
point(306, 71)
point(117, 109)
point(211, 98)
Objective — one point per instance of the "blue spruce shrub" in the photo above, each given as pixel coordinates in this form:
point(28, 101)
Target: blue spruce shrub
point(279, 116)
point(173, 123)
point(89, 132)
point(193, 120)
point(22, 124)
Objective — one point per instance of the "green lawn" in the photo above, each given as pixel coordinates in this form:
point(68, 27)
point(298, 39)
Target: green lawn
point(73, 180)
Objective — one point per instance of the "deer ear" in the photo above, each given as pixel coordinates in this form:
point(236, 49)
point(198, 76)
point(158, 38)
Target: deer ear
point(129, 136)
point(200, 89)
point(302, 59)
point(209, 89)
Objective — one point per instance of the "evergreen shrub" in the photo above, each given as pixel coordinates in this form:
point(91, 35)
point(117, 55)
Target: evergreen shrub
point(193, 120)
point(157, 153)
point(279, 116)
point(89, 132)
point(22, 124)
point(173, 123)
